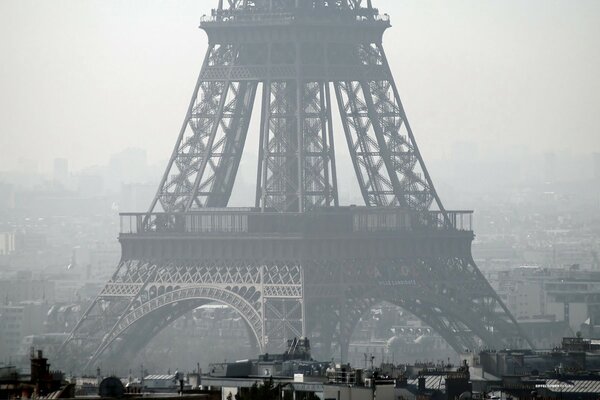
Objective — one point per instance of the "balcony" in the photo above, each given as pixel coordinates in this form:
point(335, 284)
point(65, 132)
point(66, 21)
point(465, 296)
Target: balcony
point(311, 16)
point(249, 221)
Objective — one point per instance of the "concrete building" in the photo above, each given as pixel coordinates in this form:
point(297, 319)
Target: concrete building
point(30, 242)
point(7, 243)
point(7, 197)
point(295, 375)
point(550, 294)
point(135, 197)
point(127, 166)
point(60, 172)
point(18, 321)
point(358, 393)
point(550, 167)
point(13, 291)
point(11, 327)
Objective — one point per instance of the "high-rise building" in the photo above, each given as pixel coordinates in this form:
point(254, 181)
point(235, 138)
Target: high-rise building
point(90, 185)
point(550, 167)
point(135, 197)
point(7, 243)
point(596, 159)
point(18, 321)
point(7, 197)
point(61, 171)
point(13, 291)
point(127, 166)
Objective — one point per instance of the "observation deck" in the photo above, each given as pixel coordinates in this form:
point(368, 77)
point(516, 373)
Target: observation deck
point(335, 25)
point(252, 222)
point(253, 18)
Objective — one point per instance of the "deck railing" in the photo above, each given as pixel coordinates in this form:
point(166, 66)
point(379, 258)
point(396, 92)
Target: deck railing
point(265, 18)
point(346, 220)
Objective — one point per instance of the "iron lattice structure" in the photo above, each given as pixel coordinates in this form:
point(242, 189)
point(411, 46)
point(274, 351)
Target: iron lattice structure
point(296, 263)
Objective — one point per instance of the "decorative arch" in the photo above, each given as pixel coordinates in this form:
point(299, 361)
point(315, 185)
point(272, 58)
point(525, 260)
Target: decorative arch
point(445, 317)
point(249, 313)
point(145, 329)
point(423, 312)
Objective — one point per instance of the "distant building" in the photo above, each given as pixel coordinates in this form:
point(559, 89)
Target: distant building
point(550, 294)
point(545, 333)
point(50, 342)
point(11, 327)
point(62, 317)
point(294, 374)
point(18, 321)
point(90, 185)
point(135, 197)
point(550, 167)
point(30, 242)
point(128, 166)
point(575, 354)
point(40, 383)
point(7, 197)
point(568, 371)
point(14, 291)
point(61, 172)
point(7, 243)
point(523, 292)
point(167, 382)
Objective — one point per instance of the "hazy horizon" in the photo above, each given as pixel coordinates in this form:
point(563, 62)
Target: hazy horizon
point(86, 79)
point(109, 271)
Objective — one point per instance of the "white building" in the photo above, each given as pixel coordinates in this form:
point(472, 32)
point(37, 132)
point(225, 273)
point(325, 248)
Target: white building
point(7, 243)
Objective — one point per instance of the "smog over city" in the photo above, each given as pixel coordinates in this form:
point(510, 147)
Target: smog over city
point(300, 199)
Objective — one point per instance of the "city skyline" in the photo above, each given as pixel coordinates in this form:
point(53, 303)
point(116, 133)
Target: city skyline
point(486, 236)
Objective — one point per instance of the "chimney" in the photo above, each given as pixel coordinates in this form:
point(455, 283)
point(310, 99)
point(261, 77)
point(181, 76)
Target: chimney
point(421, 386)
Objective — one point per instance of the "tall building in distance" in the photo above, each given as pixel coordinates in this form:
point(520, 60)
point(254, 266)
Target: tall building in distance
point(596, 161)
point(127, 166)
point(7, 243)
point(549, 167)
point(60, 172)
point(7, 197)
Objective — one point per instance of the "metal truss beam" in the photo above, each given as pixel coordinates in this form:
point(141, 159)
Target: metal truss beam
point(138, 336)
point(297, 161)
point(289, 72)
point(238, 303)
point(206, 157)
point(193, 252)
point(367, 156)
point(268, 297)
point(387, 161)
point(443, 288)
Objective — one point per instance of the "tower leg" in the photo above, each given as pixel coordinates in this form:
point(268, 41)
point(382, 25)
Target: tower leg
point(204, 163)
point(387, 161)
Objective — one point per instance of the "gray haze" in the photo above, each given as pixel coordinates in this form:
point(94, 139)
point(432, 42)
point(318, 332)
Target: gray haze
point(85, 79)
point(503, 98)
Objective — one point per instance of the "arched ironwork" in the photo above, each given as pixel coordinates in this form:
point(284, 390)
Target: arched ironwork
point(238, 303)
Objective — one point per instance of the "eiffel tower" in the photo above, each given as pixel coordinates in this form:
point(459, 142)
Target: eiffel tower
point(296, 262)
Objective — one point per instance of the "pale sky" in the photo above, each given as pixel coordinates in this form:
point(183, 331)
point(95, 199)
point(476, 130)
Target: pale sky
point(83, 79)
